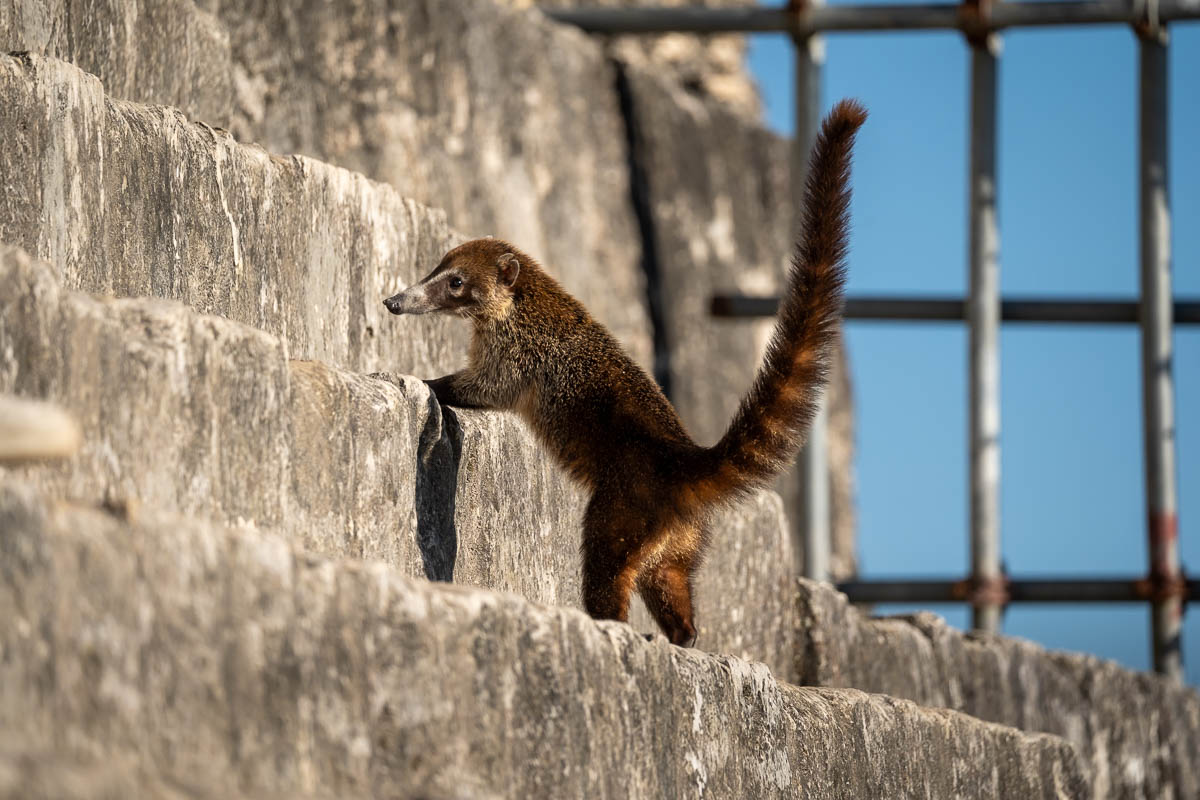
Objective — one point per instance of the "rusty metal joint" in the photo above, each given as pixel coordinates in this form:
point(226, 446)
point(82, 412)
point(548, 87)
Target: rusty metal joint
point(1158, 587)
point(993, 591)
point(800, 12)
point(975, 21)
point(1148, 24)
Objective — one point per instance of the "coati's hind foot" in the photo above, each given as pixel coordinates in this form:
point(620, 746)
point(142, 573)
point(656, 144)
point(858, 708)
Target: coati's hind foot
point(666, 589)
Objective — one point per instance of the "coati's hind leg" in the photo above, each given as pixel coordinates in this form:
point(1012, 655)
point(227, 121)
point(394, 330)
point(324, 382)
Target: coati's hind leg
point(666, 589)
point(613, 545)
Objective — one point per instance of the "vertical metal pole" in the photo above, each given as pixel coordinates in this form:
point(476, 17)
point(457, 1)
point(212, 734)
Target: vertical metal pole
point(1157, 384)
point(983, 315)
point(815, 526)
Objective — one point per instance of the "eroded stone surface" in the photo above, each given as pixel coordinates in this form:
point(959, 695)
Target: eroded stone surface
point(230, 655)
point(1139, 732)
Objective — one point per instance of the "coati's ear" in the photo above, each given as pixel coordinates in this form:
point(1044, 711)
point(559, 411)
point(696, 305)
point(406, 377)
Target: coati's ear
point(509, 267)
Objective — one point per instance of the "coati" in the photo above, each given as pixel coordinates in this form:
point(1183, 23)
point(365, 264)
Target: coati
point(537, 351)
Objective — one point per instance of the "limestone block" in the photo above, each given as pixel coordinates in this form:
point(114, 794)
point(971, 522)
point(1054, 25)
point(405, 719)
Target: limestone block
point(1139, 733)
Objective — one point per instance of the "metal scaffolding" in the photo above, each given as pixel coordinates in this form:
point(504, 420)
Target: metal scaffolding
point(987, 589)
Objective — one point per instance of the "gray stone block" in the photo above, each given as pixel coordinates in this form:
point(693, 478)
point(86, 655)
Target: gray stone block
point(1139, 733)
point(209, 417)
point(508, 122)
point(162, 52)
point(229, 657)
point(717, 189)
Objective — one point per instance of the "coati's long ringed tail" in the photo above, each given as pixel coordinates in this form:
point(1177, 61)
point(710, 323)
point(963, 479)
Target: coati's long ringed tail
point(775, 415)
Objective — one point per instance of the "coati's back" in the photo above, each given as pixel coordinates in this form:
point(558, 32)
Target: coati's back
point(599, 413)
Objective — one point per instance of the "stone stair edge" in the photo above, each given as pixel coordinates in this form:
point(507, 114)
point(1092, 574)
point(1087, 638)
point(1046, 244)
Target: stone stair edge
point(264, 575)
point(930, 626)
point(35, 61)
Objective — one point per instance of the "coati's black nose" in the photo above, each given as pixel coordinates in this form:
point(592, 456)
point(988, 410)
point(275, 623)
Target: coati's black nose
point(393, 304)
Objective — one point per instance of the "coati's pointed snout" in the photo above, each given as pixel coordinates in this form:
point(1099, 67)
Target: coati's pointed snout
point(413, 300)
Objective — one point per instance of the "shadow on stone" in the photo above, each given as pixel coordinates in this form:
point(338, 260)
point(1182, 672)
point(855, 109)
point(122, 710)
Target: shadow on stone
point(438, 452)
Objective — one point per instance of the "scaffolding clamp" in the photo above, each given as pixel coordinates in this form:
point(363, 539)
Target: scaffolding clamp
point(1159, 587)
point(799, 11)
point(975, 20)
point(976, 591)
point(1148, 24)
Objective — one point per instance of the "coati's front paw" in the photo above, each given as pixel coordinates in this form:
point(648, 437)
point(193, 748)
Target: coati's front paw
point(442, 390)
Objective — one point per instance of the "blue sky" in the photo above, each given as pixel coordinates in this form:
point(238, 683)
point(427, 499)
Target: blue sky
point(1072, 485)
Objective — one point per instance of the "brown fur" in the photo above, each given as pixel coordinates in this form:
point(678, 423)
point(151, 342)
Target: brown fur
point(538, 352)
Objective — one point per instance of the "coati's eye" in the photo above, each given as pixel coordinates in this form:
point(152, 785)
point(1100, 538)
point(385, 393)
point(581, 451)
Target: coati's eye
point(455, 282)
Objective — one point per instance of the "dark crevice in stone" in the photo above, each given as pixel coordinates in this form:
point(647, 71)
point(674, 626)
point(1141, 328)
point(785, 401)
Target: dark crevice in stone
point(640, 194)
point(438, 455)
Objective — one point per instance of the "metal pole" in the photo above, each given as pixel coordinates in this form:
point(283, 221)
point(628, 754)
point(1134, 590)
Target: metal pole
point(1157, 383)
point(815, 524)
point(983, 316)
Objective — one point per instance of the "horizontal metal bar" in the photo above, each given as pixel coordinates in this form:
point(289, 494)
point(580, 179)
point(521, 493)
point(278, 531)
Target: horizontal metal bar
point(1041, 590)
point(935, 309)
point(832, 19)
point(682, 19)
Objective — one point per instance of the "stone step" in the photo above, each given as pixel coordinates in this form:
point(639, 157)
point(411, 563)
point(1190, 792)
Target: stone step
point(231, 658)
point(1139, 733)
point(208, 417)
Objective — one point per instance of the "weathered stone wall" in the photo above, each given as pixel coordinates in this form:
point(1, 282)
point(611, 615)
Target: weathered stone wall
point(232, 660)
point(166, 52)
point(1139, 732)
point(711, 66)
point(210, 418)
point(509, 123)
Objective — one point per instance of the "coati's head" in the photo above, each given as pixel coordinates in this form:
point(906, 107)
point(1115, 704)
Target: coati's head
point(475, 279)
